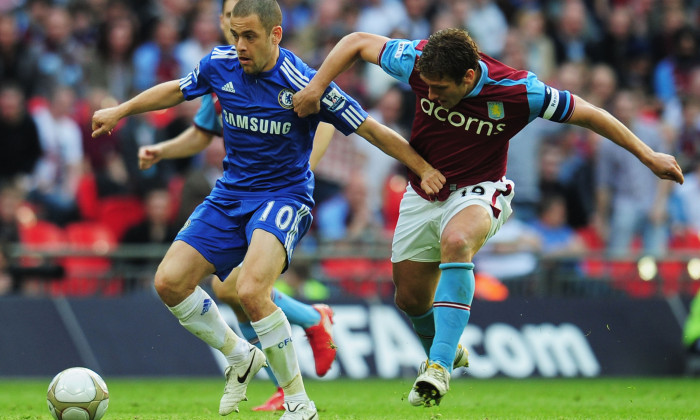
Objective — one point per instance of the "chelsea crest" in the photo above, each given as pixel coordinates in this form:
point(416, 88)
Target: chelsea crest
point(285, 98)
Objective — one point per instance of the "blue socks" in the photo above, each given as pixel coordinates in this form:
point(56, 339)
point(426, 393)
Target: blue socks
point(424, 326)
point(297, 313)
point(249, 334)
point(452, 305)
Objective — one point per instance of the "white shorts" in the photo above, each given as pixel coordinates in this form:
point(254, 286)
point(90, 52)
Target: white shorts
point(421, 222)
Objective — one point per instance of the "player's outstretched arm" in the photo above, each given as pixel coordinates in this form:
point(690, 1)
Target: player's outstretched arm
point(597, 119)
point(357, 45)
point(188, 143)
point(391, 143)
point(164, 95)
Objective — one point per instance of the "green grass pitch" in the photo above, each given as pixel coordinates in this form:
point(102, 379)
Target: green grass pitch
point(196, 399)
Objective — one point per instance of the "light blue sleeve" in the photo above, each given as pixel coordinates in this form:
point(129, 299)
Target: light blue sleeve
point(196, 83)
point(399, 57)
point(207, 118)
point(547, 102)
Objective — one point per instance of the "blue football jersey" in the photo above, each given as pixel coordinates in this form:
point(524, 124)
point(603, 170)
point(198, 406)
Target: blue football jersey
point(267, 144)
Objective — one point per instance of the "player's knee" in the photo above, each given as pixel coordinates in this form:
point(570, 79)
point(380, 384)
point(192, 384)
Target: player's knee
point(456, 246)
point(248, 295)
point(169, 287)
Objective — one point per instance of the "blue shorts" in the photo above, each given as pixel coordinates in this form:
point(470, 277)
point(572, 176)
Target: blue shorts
point(221, 229)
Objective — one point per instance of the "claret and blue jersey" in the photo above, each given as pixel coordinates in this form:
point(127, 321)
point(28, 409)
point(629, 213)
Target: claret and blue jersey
point(267, 144)
point(469, 143)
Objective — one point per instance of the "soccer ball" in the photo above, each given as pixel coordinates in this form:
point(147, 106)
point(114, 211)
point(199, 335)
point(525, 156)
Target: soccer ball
point(77, 393)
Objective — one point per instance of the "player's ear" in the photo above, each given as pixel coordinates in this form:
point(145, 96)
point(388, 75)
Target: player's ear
point(469, 77)
point(276, 35)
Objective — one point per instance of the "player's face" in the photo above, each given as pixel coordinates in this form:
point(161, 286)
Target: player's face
point(448, 92)
point(257, 49)
point(445, 91)
point(225, 19)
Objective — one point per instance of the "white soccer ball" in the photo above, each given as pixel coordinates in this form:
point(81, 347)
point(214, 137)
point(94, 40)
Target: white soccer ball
point(77, 393)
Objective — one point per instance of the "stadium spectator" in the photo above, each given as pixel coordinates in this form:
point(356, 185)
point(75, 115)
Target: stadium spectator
point(687, 208)
point(111, 66)
point(618, 43)
point(416, 22)
point(672, 75)
point(539, 48)
point(20, 148)
point(17, 62)
point(487, 25)
point(157, 228)
point(630, 199)
point(511, 254)
point(347, 217)
point(601, 86)
point(61, 59)
point(56, 175)
point(155, 61)
point(204, 35)
point(572, 37)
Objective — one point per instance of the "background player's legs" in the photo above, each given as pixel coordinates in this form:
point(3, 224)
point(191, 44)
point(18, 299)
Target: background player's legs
point(226, 292)
point(316, 320)
point(263, 263)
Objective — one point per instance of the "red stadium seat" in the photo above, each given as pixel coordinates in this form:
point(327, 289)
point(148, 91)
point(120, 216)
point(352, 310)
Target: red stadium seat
point(86, 197)
point(119, 213)
point(40, 236)
point(88, 275)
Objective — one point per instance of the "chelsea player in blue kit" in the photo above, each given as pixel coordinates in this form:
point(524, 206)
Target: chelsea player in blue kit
point(261, 206)
point(316, 319)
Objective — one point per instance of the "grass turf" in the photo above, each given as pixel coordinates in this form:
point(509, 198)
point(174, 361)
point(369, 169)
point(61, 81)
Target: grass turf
point(195, 399)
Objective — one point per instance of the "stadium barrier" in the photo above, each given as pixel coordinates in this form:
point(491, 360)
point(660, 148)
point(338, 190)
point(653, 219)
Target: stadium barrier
point(134, 335)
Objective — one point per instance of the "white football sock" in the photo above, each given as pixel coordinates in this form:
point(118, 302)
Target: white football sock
point(275, 336)
point(199, 314)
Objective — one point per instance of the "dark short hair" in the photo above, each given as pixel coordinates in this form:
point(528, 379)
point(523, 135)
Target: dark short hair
point(268, 11)
point(449, 53)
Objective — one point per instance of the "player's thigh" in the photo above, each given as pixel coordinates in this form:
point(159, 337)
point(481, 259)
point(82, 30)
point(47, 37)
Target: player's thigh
point(465, 233)
point(183, 267)
point(471, 216)
point(415, 283)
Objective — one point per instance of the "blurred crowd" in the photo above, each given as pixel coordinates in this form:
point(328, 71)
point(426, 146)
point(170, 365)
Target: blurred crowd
point(60, 60)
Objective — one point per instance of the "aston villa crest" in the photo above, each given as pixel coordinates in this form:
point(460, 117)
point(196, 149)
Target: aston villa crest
point(496, 111)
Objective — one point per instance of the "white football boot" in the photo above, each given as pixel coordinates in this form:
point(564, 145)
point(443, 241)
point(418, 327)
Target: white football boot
point(237, 378)
point(461, 360)
point(299, 411)
point(430, 386)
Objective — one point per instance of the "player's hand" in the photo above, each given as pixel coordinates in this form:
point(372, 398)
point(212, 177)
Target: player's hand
point(104, 121)
point(432, 181)
point(666, 167)
point(306, 102)
point(149, 156)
